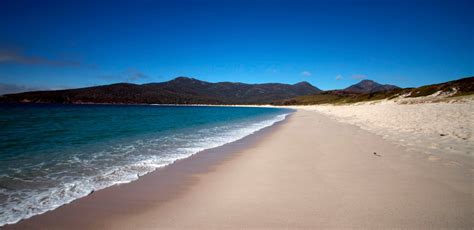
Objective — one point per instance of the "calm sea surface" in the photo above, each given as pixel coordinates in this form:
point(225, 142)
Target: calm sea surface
point(53, 154)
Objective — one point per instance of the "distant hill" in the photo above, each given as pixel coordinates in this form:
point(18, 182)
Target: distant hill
point(182, 90)
point(369, 86)
point(461, 87)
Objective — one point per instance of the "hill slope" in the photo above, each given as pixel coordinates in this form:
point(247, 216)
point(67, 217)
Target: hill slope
point(181, 90)
point(461, 87)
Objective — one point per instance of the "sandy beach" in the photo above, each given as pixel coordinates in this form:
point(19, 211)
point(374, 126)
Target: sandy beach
point(434, 129)
point(310, 171)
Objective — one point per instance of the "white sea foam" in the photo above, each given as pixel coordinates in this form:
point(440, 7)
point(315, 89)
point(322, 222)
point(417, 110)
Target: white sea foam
point(116, 165)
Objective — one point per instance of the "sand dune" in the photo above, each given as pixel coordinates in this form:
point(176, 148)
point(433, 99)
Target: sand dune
point(434, 129)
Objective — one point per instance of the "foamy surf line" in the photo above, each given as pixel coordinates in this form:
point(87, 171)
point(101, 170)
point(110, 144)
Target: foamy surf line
point(39, 202)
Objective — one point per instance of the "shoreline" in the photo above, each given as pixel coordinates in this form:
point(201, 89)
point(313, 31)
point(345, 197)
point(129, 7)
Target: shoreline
point(309, 170)
point(169, 176)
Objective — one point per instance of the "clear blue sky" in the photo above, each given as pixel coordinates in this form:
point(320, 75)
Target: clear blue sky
point(331, 44)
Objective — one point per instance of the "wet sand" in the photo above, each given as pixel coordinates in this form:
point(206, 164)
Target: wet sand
point(309, 171)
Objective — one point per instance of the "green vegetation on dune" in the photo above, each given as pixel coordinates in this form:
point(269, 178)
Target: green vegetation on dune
point(461, 87)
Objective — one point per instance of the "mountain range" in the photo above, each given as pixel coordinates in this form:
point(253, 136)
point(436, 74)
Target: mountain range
point(185, 90)
point(181, 90)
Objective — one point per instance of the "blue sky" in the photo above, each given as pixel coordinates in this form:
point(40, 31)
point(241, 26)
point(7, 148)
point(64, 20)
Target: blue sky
point(331, 44)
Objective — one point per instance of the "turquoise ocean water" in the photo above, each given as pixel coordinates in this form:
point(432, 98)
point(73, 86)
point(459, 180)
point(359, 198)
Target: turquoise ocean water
point(53, 154)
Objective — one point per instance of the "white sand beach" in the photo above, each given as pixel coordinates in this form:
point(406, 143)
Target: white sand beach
point(435, 130)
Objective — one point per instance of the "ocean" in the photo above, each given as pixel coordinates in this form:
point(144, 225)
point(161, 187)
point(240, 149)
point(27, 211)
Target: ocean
point(51, 155)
